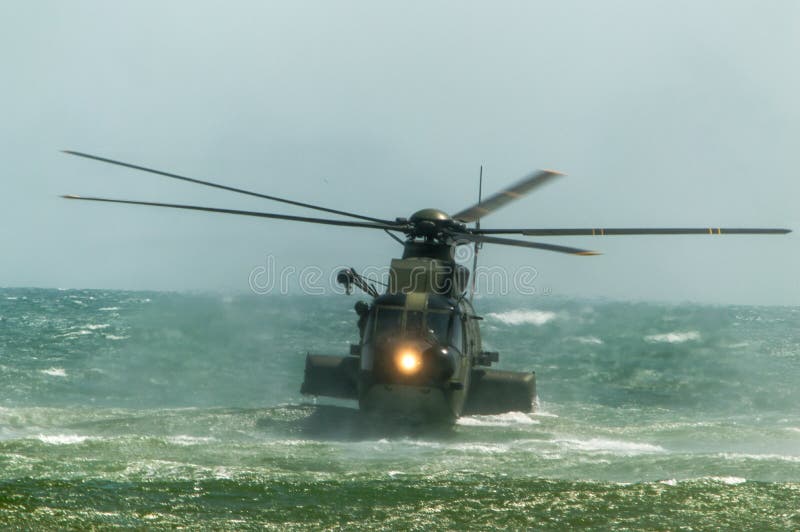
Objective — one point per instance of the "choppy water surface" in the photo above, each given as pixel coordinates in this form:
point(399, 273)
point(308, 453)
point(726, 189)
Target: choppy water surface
point(160, 410)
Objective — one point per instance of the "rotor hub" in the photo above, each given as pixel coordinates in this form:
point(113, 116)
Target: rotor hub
point(436, 216)
point(430, 223)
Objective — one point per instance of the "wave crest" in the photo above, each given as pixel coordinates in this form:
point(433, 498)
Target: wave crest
point(519, 317)
point(675, 337)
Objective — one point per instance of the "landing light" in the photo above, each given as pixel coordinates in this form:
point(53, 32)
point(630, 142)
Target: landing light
point(408, 361)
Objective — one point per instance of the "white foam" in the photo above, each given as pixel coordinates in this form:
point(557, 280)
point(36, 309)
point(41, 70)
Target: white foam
point(286, 443)
point(160, 469)
point(107, 514)
point(108, 309)
point(520, 317)
point(75, 333)
point(487, 448)
point(482, 448)
point(61, 439)
point(94, 327)
point(222, 473)
point(55, 372)
point(183, 439)
point(500, 420)
point(115, 337)
point(738, 345)
point(589, 340)
point(760, 457)
point(732, 481)
point(603, 445)
point(675, 337)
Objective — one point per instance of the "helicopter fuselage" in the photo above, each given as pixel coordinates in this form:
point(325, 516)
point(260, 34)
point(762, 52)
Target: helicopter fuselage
point(420, 350)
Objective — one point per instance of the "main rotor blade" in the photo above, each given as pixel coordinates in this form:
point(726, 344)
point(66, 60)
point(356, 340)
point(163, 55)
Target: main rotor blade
point(344, 223)
point(521, 243)
point(224, 187)
point(507, 195)
point(634, 231)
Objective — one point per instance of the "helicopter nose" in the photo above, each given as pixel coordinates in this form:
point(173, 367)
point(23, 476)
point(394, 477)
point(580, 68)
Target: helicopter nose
point(416, 362)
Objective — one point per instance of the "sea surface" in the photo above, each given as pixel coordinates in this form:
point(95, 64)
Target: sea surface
point(164, 410)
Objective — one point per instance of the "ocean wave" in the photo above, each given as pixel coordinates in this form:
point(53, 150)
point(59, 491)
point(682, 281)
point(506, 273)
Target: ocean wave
point(61, 439)
point(519, 317)
point(55, 372)
point(465, 447)
point(481, 448)
point(588, 340)
point(83, 330)
point(602, 445)
point(675, 337)
point(73, 334)
point(500, 420)
point(760, 457)
point(165, 469)
point(223, 473)
point(731, 481)
point(182, 439)
point(738, 345)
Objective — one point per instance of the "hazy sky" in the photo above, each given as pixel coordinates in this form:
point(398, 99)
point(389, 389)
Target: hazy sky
point(663, 113)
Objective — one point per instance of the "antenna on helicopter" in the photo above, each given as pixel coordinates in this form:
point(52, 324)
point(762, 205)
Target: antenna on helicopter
point(477, 244)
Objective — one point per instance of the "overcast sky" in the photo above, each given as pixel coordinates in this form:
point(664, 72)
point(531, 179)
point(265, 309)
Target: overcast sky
point(662, 113)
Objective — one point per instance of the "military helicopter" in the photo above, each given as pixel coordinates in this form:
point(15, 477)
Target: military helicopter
point(419, 355)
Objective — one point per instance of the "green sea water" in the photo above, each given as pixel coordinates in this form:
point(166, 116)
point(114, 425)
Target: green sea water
point(157, 410)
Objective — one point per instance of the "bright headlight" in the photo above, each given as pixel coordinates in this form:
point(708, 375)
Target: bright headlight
point(408, 361)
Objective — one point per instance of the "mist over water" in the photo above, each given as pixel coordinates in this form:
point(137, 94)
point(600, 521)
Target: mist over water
point(164, 409)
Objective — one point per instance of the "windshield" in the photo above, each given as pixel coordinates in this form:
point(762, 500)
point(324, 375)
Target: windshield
point(414, 320)
point(434, 323)
point(438, 324)
point(388, 321)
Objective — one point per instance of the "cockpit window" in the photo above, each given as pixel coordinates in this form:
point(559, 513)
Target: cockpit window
point(387, 321)
point(438, 324)
point(413, 321)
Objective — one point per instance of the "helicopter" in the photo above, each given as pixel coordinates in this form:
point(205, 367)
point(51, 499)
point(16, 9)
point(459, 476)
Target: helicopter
point(419, 356)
